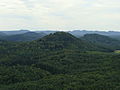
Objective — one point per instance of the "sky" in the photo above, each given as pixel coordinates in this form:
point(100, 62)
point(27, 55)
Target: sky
point(60, 15)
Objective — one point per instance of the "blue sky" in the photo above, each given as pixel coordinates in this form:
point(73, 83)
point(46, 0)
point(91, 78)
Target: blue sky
point(60, 14)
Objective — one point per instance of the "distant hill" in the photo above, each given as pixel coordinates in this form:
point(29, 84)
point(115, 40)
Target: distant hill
point(15, 32)
point(115, 37)
point(60, 40)
point(102, 40)
point(29, 36)
point(79, 33)
point(2, 34)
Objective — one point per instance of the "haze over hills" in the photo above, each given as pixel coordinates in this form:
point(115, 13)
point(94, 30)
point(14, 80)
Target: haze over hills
point(28, 36)
point(11, 35)
point(74, 32)
point(13, 32)
point(2, 34)
point(80, 33)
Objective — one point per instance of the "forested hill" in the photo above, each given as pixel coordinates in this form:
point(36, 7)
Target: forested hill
point(2, 34)
point(28, 36)
point(102, 40)
point(67, 41)
point(58, 61)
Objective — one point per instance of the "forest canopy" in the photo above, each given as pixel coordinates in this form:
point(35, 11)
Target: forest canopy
point(60, 61)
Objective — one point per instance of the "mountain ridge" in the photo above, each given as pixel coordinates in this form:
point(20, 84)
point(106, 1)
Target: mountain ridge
point(28, 36)
point(102, 40)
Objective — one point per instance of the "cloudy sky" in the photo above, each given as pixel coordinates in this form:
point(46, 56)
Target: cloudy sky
point(60, 14)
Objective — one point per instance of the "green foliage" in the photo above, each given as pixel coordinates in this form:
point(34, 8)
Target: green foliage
point(58, 61)
point(102, 40)
point(14, 74)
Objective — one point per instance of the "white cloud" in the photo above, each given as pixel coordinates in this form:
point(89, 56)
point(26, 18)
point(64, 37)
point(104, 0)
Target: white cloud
point(60, 14)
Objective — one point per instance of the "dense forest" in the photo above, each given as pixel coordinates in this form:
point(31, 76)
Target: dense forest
point(60, 61)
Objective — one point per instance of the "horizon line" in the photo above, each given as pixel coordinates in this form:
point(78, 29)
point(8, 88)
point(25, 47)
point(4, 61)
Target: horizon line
point(62, 30)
